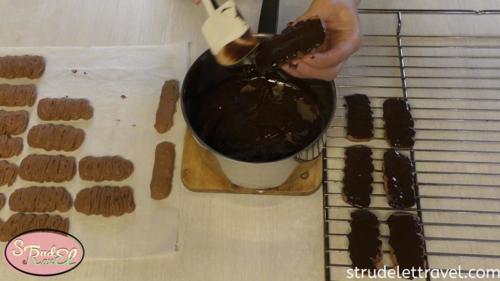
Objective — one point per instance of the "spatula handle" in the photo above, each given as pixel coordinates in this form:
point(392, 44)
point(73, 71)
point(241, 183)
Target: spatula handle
point(210, 6)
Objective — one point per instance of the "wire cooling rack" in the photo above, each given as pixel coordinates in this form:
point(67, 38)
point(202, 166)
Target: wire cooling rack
point(448, 68)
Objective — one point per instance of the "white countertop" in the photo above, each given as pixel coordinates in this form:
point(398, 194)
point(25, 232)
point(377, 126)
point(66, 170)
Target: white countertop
point(222, 237)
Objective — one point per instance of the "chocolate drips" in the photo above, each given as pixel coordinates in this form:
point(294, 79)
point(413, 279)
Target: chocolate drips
point(364, 243)
point(399, 123)
point(398, 179)
point(294, 39)
point(358, 176)
point(359, 117)
point(406, 240)
point(252, 118)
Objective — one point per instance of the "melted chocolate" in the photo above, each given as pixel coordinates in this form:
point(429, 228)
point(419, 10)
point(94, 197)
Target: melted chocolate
point(407, 240)
point(299, 38)
point(364, 243)
point(358, 176)
point(398, 174)
point(359, 117)
point(251, 118)
point(399, 123)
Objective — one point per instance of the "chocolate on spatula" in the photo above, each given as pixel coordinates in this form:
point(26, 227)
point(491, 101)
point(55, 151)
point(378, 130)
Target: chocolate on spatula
point(302, 37)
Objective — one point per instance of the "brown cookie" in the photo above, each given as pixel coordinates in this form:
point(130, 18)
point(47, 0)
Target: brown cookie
point(10, 147)
point(163, 171)
point(13, 122)
point(8, 173)
point(31, 67)
point(105, 200)
point(112, 168)
point(20, 222)
point(56, 137)
point(66, 109)
point(2, 200)
point(40, 199)
point(17, 95)
point(166, 106)
point(47, 168)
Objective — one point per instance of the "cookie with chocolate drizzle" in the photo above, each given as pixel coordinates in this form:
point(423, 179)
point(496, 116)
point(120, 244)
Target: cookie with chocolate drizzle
point(399, 123)
point(364, 241)
point(407, 241)
point(398, 180)
point(359, 118)
point(358, 176)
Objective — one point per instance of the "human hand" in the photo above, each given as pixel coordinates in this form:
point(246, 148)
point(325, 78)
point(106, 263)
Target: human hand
point(343, 38)
point(197, 2)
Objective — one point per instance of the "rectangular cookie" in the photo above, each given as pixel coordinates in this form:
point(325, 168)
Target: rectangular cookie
point(166, 106)
point(359, 117)
point(13, 122)
point(8, 173)
point(20, 222)
point(2, 202)
point(66, 109)
point(105, 200)
point(399, 124)
point(31, 67)
point(358, 177)
point(47, 168)
point(56, 137)
point(10, 147)
point(17, 95)
point(398, 180)
point(163, 170)
point(40, 199)
point(365, 246)
point(111, 168)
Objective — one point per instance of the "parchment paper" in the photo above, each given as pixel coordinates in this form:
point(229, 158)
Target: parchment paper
point(123, 85)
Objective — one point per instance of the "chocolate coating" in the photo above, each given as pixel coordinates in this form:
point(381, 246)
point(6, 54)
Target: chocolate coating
point(398, 179)
point(256, 120)
point(359, 117)
point(358, 176)
point(399, 123)
point(302, 37)
point(406, 240)
point(364, 243)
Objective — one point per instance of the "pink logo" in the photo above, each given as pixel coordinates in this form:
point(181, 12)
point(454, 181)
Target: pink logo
point(44, 252)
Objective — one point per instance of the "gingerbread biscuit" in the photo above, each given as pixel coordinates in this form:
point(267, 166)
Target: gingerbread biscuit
point(2, 201)
point(358, 177)
point(13, 122)
point(359, 118)
point(399, 123)
point(40, 199)
point(105, 200)
point(56, 137)
point(365, 246)
point(399, 180)
point(166, 106)
point(10, 146)
point(31, 67)
point(20, 222)
point(8, 173)
point(113, 168)
point(66, 109)
point(163, 170)
point(47, 168)
point(17, 95)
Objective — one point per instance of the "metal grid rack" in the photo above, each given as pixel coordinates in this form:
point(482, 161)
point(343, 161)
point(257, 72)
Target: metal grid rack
point(452, 82)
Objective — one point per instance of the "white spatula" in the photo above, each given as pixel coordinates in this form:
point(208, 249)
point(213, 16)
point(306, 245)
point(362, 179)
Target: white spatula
point(227, 34)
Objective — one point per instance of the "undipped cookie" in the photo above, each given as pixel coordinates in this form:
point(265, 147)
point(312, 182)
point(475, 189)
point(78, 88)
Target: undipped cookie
point(20, 222)
point(163, 170)
point(31, 67)
point(112, 168)
point(105, 200)
point(56, 137)
point(47, 168)
point(8, 173)
point(66, 109)
point(17, 95)
point(10, 147)
point(13, 122)
point(166, 106)
point(40, 199)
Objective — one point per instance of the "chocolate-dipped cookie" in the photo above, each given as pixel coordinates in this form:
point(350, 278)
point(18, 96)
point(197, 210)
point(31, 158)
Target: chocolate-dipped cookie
point(364, 241)
point(406, 241)
point(300, 38)
point(359, 118)
point(398, 180)
point(399, 123)
point(358, 177)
